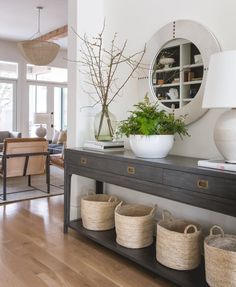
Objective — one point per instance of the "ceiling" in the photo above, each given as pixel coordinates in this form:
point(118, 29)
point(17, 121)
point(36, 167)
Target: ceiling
point(18, 18)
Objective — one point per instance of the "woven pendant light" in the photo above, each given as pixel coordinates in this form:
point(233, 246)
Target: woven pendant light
point(36, 51)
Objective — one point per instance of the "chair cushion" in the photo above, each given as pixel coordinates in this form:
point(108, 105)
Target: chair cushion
point(57, 160)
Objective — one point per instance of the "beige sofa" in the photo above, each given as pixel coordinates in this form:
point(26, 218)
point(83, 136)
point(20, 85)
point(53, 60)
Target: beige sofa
point(7, 134)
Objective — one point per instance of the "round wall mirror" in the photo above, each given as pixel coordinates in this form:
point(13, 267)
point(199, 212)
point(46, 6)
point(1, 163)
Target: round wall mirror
point(179, 55)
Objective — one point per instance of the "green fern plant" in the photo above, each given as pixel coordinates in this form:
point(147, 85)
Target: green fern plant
point(147, 120)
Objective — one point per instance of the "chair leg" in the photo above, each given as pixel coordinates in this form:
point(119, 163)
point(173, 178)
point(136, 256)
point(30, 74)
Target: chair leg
point(4, 187)
point(4, 163)
point(48, 173)
point(29, 180)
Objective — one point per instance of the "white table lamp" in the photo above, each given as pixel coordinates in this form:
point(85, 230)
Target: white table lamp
point(40, 119)
point(220, 92)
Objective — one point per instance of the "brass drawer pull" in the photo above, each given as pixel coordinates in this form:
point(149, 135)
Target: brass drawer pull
point(202, 183)
point(83, 160)
point(131, 170)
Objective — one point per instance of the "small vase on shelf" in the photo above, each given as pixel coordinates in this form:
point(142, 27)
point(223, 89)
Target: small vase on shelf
point(104, 125)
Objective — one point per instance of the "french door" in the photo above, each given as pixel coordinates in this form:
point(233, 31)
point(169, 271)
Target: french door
point(7, 105)
point(50, 99)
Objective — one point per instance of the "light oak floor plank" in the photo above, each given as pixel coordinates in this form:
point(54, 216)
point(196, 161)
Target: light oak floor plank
point(34, 252)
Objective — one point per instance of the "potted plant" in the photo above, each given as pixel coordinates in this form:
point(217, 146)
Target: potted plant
point(151, 131)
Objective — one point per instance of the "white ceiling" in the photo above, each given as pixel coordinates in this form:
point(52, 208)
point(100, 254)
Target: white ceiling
point(18, 18)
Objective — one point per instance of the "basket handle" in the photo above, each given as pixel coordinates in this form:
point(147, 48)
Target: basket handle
point(222, 233)
point(118, 206)
point(112, 199)
point(91, 193)
point(190, 226)
point(166, 215)
point(153, 210)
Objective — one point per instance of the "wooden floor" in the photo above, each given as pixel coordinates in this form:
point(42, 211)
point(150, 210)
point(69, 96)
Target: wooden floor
point(34, 252)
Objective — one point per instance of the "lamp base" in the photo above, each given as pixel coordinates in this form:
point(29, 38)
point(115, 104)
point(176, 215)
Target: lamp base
point(225, 135)
point(41, 132)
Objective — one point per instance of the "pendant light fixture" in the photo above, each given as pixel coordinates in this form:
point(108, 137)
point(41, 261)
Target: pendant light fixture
point(36, 51)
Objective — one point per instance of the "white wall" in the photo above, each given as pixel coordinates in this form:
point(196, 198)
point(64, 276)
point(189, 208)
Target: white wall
point(137, 21)
point(82, 19)
point(9, 52)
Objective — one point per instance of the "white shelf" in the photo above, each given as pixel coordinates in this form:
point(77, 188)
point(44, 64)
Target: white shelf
point(192, 82)
point(193, 66)
point(167, 70)
point(169, 101)
point(187, 99)
point(166, 85)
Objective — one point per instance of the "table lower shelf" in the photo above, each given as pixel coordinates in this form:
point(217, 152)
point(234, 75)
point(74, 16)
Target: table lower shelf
point(145, 257)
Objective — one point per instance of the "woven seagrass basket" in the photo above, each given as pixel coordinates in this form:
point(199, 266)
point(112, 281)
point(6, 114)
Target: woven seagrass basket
point(220, 258)
point(134, 225)
point(97, 211)
point(178, 243)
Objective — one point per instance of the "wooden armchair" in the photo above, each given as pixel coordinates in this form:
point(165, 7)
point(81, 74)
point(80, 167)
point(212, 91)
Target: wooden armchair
point(24, 157)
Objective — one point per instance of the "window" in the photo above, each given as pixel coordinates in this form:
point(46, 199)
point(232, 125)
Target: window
point(6, 106)
point(8, 70)
point(46, 74)
point(60, 108)
point(37, 104)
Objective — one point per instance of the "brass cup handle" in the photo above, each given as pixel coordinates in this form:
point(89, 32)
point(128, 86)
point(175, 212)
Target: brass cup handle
point(83, 160)
point(130, 170)
point(202, 184)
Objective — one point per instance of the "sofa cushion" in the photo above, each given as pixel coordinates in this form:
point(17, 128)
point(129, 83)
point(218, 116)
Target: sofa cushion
point(4, 135)
point(55, 137)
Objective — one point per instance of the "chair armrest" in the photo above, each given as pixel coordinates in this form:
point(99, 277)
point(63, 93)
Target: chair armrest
point(15, 135)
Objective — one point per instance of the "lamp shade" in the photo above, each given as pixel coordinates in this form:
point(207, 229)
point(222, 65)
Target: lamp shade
point(220, 90)
point(38, 52)
point(41, 118)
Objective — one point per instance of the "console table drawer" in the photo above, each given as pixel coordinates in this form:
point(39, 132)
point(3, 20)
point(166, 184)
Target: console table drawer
point(216, 186)
point(143, 172)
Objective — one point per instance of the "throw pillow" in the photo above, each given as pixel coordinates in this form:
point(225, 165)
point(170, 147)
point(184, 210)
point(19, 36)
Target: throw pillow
point(63, 150)
point(55, 137)
point(62, 137)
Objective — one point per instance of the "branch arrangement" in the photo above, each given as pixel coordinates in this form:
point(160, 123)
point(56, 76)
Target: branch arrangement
point(101, 66)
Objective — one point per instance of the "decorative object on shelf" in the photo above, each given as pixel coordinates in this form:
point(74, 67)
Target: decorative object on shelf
point(134, 225)
point(166, 62)
point(220, 258)
point(178, 243)
point(220, 93)
point(97, 211)
point(151, 131)
point(101, 65)
point(40, 119)
point(37, 51)
point(180, 40)
point(160, 81)
point(217, 164)
point(104, 145)
point(173, 94)
point(192, 93)
point(198, 59)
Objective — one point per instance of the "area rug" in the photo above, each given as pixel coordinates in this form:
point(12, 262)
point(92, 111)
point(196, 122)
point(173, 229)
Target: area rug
point(18, 190)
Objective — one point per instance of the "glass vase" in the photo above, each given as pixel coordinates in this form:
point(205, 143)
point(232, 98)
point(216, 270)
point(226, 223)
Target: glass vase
point(104, 125)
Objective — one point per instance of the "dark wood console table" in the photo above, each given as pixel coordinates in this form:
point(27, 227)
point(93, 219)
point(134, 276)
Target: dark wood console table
point(175, 177)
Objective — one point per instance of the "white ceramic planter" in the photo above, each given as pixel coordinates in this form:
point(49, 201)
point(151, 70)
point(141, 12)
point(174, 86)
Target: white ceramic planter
point(155, 146)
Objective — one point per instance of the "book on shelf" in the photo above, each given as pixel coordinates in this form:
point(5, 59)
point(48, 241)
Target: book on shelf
point(217, 164)
point(104, 145)
point(105, 150)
